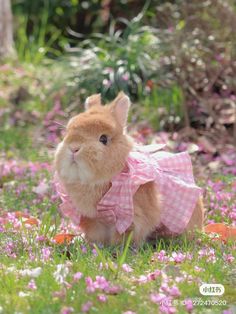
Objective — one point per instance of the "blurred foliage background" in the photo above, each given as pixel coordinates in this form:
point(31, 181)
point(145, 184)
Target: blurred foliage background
point(176, 59)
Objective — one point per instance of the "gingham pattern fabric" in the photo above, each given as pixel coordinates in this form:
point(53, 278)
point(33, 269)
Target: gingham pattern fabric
point(173, 176)
point(66, 207)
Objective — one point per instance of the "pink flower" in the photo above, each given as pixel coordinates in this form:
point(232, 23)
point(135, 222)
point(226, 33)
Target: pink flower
point(202, 252)
point(90, 286)
point(31, 256)
point(164, 287)
point(101, 283)
point(86, 306)
point(179, 279)
point(46, 252)
point(157, 297)
point(32, 284)
point(129, 312)
point(188, 305)
point(125, 76)
point(161, 256)
point(102, 298)
point(41, 189)
point(227, 312)
point(106, 82)
point(40, 238)
point(149, 277)
point(113, 290)
point(83, 249)
point(232, 215)
point(94, 251)
point(209, 253)
point(168, 309)
point(67, 310)
point(165, 303)
point(174, 291)
point(108, 70)
point(142, 279)
point(154, 275)
point(9, 249)
point(198, 269)
point(177, 257)
point(77, 276)
point(127, 268)
point(211, 256)
point(228, 258)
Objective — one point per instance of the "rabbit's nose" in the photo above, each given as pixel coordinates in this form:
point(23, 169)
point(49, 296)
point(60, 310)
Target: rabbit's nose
point(74, 150)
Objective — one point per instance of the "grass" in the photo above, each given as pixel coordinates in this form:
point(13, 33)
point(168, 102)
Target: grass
point(133, 296)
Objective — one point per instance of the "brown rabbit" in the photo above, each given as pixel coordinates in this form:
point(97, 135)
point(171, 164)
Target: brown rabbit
point(94, 151)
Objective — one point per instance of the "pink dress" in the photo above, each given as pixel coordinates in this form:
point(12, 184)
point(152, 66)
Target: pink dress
point(173, 176)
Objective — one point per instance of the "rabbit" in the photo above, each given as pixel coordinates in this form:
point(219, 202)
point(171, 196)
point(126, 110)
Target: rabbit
point(94, 151)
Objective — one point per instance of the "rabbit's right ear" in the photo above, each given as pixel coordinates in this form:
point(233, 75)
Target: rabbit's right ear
point(120, 108)
point(94, 100)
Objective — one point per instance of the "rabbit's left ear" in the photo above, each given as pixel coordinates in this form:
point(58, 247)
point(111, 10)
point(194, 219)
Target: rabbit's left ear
point(94, 100)
point(120, 108)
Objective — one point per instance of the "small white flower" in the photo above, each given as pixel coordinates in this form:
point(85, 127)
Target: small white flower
point(23, 294)
point(41, 189)
point(61, 272)
point(35, 272)
point(11, 269)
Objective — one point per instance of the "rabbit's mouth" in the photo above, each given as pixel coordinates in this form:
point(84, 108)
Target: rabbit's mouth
point(73, 160)
point(76, 171)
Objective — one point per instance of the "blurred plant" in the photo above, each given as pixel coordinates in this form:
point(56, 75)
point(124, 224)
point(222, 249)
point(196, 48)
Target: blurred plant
point(180, 66)
point(34, 48)
point(198, 53)
point(119, 60)
point(81, 16)
point(163, 107)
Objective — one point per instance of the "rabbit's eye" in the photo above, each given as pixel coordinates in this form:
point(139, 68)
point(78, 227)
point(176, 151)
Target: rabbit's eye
point(103, 139)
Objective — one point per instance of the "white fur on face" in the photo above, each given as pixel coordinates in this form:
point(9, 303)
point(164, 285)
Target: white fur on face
point(85, 174)
point(70, 170)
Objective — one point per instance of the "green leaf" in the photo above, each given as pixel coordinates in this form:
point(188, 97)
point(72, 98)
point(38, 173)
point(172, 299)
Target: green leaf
point(180, 25)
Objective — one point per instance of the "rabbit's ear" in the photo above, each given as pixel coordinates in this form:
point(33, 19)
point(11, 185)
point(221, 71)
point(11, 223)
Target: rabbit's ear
point(94, 100)
point(120, 108)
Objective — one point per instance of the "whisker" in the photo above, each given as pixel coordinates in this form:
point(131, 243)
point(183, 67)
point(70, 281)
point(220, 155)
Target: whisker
point(60, 124)
point(51, 145)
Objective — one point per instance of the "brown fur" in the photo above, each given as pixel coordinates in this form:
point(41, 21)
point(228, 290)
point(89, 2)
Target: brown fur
point(88, 178)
